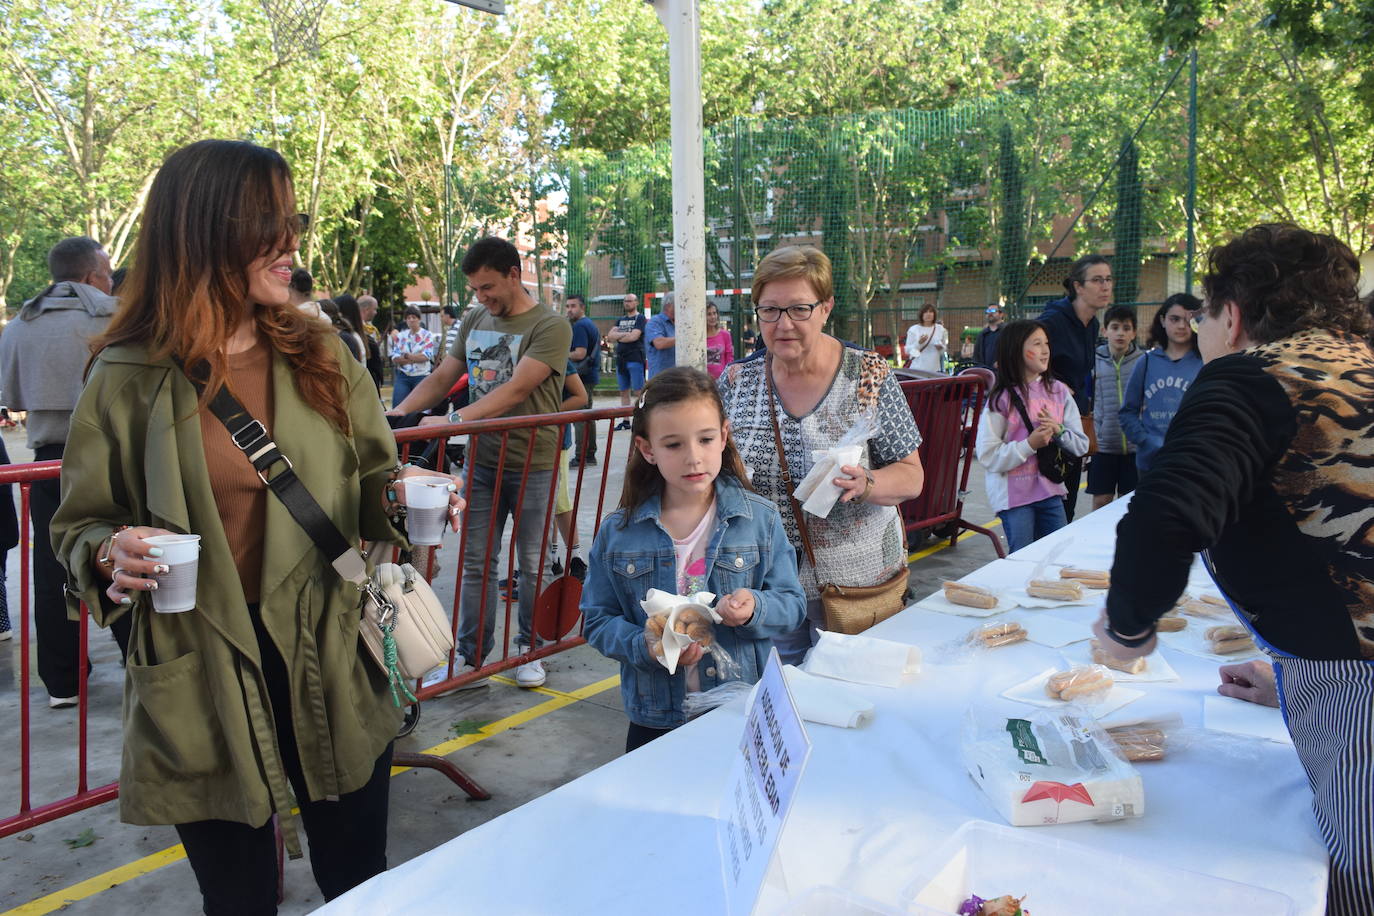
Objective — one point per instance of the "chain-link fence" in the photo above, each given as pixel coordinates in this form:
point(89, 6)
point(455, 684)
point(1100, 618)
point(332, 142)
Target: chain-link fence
point(979, 203)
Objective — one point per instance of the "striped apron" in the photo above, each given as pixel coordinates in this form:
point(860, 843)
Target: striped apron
point(1328, 707)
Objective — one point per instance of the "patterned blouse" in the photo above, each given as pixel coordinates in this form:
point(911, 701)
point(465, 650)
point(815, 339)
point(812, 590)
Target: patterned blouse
point(859, 544)
point(411, 343)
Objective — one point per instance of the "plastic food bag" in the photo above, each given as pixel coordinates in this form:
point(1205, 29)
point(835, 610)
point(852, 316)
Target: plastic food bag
point(1141, 741)
point(1050, 768)
point(694, 704)
point(1086, 684)
point(996, 634)
point(677, 621)
point(816, 492)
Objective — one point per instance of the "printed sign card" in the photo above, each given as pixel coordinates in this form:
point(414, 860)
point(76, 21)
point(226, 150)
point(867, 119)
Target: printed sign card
point(763, 781)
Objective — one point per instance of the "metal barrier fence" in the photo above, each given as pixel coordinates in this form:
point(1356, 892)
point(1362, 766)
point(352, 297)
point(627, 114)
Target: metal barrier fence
point(555, 608)
point(25, 475)
point(947, 411)
point(942, 410)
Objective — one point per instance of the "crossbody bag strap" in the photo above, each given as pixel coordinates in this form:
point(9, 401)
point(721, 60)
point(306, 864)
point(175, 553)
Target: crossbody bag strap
point(251, 438)
point(1021, 409)
point(782, 464)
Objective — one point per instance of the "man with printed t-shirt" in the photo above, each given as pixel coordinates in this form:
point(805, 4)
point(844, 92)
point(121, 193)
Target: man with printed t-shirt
point(628, 337)
point(515, 352)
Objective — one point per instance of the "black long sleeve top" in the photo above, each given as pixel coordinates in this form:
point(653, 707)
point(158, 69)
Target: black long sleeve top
point(1270, 464)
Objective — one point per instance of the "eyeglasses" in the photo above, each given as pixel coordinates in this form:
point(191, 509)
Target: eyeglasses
point(1196, 320)
point(1102, 281)
point(799, 312)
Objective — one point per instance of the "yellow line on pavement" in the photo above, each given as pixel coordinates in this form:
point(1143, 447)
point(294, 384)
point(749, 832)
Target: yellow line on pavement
point(558, 701)
point(103, 882)
point(150, 863)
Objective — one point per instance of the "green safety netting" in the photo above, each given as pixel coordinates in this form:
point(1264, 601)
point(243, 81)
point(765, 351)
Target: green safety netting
point(978, 203)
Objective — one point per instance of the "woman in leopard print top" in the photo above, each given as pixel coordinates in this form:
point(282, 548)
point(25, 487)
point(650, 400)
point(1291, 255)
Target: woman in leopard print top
point(823, 388)
point(1269, 467)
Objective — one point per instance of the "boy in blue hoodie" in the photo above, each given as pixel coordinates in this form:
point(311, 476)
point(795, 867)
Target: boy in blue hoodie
point(1112, 472)
point(1161, 378)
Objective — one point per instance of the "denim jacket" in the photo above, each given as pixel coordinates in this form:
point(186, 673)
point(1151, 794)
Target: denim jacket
point(747, 549)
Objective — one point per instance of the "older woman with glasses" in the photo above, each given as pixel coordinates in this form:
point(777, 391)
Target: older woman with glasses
point(807, 390)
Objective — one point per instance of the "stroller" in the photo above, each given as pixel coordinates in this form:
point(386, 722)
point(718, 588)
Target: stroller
point(440, 454)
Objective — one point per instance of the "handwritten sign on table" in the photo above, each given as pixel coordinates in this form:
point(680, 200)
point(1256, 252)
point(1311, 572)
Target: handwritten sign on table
point(763, 781)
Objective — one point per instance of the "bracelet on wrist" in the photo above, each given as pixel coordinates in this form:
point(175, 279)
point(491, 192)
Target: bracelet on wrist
point(395, 509)
point(1130, 642)
point(105, 556)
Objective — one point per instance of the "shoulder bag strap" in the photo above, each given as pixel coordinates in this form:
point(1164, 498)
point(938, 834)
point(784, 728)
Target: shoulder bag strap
point(252, 439)
point(1021, 409)
point(782, 464)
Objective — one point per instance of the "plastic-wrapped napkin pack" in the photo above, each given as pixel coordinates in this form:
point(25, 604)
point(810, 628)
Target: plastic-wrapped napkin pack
point(1050, 768)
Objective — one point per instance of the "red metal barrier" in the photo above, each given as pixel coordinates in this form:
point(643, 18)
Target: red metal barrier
point(946, 412)
point(505, 428)
point(25, 475)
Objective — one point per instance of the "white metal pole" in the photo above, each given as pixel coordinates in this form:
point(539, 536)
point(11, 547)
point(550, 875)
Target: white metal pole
point(683, 22)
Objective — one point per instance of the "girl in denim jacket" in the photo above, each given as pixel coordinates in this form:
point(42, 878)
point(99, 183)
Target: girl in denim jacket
point(688, 521)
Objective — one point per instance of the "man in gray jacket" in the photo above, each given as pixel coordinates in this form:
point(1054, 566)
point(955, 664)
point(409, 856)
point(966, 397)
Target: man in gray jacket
point(43, 355)
point(1112, 471)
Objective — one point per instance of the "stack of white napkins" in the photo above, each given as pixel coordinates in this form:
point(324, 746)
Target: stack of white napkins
point(862, 659)
point(817, 491)
point(661, 602)
point(823, 701)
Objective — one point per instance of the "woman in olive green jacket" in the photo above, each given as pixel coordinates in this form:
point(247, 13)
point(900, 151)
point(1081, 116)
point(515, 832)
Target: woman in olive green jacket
point(262, 688)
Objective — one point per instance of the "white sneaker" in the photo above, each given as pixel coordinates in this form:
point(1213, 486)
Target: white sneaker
point(69, 702)
point(530, 674)
point(6, 634)
point(460, 667)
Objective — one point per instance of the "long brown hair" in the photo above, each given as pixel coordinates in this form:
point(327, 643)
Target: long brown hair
point(672, 386)
point(216, 207)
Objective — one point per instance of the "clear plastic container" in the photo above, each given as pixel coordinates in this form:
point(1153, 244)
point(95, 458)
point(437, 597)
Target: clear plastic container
point(834, 901)
point(1060, 878)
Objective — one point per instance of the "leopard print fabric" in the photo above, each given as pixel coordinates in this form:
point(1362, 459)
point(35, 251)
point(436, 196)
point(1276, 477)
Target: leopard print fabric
point(1326, 478)
point(873, 371)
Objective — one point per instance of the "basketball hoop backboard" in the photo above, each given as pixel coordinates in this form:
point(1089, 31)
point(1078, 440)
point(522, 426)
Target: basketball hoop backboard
point(487, 6)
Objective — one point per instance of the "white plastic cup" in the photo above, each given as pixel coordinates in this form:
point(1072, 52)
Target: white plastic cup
point(427, 509)
point(176, 589)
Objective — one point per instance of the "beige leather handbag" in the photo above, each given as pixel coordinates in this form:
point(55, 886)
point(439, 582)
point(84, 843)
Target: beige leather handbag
point(400, 599)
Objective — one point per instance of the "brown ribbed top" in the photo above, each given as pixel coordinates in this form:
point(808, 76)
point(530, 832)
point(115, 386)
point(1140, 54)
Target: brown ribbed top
point(240, 495)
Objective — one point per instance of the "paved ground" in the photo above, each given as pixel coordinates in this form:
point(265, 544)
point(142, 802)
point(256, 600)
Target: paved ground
point(518, 743)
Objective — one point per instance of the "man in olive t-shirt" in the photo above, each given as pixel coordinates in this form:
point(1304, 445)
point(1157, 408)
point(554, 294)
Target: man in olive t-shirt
point(515, 352)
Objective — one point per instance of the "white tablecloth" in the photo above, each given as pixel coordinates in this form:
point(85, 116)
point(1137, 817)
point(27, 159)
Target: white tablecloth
point(873, 801)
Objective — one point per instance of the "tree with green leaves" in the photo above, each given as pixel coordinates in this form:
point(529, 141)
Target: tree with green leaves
point(115, 87)
point(1286, 132)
